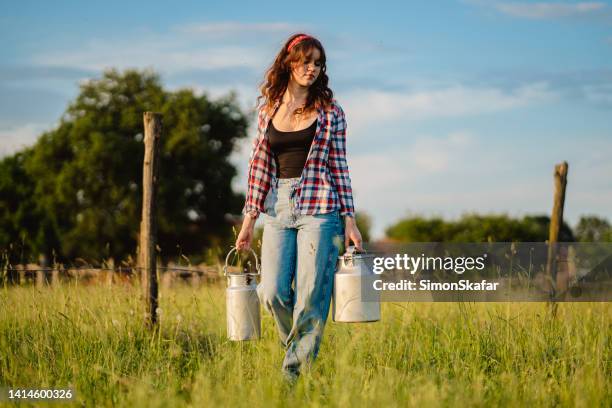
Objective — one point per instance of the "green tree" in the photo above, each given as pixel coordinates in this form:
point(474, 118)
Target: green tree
point(20, 217)
point(592, 228)
point(83, 179)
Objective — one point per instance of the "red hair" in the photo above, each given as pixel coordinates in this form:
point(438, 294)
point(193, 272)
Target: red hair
point(277, 76)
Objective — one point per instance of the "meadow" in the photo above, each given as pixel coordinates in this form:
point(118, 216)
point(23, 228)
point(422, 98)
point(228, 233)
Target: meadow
point(420, 354)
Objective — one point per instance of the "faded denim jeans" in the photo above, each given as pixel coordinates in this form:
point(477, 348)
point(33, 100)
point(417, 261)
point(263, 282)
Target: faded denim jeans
point(298, 260)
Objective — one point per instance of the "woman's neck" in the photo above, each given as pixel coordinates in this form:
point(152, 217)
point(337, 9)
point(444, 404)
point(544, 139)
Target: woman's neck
point(295, 93)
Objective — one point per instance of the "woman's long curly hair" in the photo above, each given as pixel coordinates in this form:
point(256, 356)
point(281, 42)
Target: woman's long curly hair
point(277, 76)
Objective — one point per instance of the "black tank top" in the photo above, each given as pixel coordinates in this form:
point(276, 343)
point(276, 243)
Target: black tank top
point(290, 149)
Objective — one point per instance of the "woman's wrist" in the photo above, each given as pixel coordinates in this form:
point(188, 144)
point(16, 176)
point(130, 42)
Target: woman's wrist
point(349, 219)
point(249, 220)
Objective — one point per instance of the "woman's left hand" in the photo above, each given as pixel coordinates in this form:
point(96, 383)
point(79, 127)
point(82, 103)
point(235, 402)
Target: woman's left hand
point(351, 233)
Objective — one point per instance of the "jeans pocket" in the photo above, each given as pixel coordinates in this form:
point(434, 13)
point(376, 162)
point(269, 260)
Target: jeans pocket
point(270, 201)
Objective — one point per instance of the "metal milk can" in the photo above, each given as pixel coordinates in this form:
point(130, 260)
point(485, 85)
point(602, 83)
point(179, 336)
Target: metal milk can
point(242, 302)
point(353, 282)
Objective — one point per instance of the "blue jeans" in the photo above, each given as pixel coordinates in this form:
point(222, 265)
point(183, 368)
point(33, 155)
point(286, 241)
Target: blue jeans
point(298, 250)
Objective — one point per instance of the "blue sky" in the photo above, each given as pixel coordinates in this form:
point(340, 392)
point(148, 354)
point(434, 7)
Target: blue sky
point(452, 106)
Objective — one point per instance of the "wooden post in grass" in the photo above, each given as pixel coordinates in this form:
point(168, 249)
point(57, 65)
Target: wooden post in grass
point(22, 274)
point(556, 221)
point(42, 274)
point(148, 224)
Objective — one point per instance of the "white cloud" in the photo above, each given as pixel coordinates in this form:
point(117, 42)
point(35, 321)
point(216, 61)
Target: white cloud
point(543, 10)
point(230, 28)
point(165, 56)
point(246, 94)
point(598, 94)
point(373, 106)
point(189, 47)
point(549, 10)
point(15, 138)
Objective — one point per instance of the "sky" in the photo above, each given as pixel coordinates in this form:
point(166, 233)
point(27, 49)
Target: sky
point(452, 106)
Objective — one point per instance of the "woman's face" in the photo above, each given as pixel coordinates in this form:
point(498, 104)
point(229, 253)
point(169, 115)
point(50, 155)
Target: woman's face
point(306, 72)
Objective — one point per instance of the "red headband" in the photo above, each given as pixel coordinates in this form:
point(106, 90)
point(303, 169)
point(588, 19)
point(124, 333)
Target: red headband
point(297, 40)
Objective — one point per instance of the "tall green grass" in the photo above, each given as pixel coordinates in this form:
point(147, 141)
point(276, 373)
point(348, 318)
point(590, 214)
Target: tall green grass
point(420, 354)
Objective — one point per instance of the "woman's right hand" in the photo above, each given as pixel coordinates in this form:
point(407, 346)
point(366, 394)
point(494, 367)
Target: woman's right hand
point(246, 233)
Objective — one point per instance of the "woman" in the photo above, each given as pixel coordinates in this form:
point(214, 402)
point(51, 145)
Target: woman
point(299, 179)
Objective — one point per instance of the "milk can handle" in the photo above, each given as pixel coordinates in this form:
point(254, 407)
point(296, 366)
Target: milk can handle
point(227, 258)
point(350, 250)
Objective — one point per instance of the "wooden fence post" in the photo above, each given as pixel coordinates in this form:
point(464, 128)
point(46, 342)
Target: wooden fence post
point(556, 221)
point(55, 274)
point(22, 274)
point(42, 273)
point(148, 224)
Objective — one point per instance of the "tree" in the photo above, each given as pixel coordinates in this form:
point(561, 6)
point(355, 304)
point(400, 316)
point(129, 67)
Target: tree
point(84, 178)
point(20, 216)
point(591, 228)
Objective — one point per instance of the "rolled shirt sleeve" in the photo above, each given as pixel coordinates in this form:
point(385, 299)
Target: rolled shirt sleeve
point(338, 165)
point(259, 175)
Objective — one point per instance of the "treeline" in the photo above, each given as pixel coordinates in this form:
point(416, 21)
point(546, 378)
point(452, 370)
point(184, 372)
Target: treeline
point(496, 228)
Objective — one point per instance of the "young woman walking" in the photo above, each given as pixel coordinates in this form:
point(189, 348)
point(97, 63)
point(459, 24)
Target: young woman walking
point(299, 180)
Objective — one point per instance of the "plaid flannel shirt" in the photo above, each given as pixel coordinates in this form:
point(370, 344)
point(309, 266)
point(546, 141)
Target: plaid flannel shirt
point(324, 185)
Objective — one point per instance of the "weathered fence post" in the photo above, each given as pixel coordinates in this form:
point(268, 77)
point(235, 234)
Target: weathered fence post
point(110, 272)
point(55, 274)
point(42, 273)
point(556, 221)
point(148, 224)
point(21, 270)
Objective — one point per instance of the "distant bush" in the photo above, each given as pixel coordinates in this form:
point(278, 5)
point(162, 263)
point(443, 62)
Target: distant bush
point(591, 228)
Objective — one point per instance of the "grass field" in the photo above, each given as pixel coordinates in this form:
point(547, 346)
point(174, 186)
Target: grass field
point(420, 354)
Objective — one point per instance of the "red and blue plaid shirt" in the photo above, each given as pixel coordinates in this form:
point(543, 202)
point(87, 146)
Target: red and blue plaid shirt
point(324, 185)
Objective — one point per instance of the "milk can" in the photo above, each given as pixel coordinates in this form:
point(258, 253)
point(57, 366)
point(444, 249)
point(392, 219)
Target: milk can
point(243, 319)
point(353, 282)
